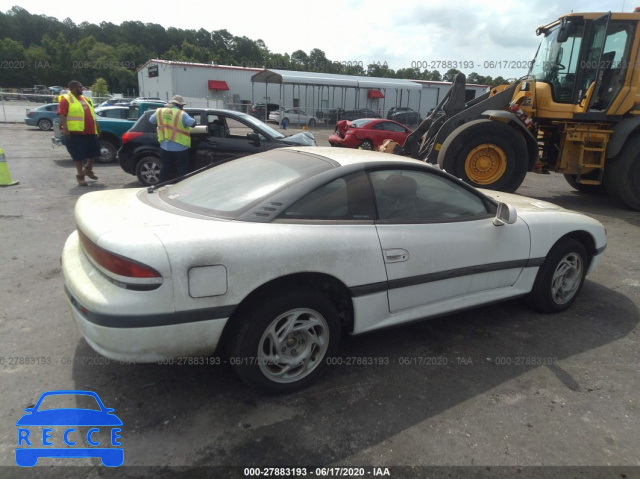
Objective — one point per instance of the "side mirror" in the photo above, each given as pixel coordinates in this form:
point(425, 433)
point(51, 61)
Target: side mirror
point(506, 215)
point(254, 138)
point(563, 33)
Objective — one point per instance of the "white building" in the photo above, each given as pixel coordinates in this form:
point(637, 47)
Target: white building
point(237, 87)
point(201, 84)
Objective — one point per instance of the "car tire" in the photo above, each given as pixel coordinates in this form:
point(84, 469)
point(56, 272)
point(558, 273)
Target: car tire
point(560, 278)
point(108, 152)
point(587, 189)
point(486, 154)
point(366, 145)
point(148, 170)
point(270, 356)
point(45, 124)
point(311, 123)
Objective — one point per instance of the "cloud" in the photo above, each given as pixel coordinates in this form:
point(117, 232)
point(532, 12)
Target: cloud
point(369, 31)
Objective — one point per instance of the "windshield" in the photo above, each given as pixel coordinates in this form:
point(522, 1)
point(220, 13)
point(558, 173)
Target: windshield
point(557, 63)
point(232, 188)
point(263, 126)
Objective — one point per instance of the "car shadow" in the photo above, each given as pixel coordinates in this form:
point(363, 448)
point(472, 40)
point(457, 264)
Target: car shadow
point(383, 383)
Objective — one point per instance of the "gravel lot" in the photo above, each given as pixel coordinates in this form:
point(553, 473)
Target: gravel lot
point(468, 395)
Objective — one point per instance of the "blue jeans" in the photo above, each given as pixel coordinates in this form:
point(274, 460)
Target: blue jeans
point(174, 164)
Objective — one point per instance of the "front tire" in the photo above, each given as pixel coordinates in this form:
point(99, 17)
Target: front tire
point(107, 152)
point(148, 170)
point(486, 154)
point(311, 123)
point(282, 345)
point(560, 278)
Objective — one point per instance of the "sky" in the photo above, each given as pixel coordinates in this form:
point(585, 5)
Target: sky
point(494, 38)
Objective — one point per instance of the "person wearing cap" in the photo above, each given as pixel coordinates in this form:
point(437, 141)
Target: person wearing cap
point(81, 130)
point(173, 134)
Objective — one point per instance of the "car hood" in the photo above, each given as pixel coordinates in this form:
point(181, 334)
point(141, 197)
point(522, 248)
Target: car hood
point(523, 203)
point(305, 138)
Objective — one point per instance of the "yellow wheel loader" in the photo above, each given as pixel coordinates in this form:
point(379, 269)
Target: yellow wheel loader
point(576, 112)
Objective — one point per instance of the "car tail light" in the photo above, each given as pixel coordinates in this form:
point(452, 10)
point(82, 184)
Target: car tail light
point(115, 263)
point(130, 135)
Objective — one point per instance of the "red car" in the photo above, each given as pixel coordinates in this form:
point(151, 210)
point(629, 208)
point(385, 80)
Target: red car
point(368, 133)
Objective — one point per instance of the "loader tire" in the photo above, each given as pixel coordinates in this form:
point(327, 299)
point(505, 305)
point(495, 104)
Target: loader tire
point(622, 175)
point(486, 154)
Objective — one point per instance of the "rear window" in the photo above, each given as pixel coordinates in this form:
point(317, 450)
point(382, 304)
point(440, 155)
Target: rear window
point(230, 189)
point(143, 124)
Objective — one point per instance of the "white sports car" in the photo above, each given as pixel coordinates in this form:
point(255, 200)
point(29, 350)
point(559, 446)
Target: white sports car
point(274, 255)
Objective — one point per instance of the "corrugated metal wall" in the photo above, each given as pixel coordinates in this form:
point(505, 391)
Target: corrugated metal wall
point(191, 80)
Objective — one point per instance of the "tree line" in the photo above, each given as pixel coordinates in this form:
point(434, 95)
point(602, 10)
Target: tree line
point(42, 50)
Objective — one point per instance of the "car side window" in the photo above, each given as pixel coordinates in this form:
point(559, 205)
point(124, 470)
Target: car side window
point(378, 126)
point(217, 126)
point(347, 199)
point(237, 129)
point(394, 127)
point(421, 196)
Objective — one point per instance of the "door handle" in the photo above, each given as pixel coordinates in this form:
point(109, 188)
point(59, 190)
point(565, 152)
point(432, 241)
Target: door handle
point(396, 255)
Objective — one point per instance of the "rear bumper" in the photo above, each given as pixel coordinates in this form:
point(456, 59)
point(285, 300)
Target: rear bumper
point(131, 325)
point(126, 161)
point(150, 343)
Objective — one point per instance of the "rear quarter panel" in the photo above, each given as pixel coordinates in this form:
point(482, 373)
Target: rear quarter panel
point(256, 253)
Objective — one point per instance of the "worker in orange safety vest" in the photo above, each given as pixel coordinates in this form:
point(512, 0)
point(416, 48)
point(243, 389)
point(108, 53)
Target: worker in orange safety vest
point(173, 134)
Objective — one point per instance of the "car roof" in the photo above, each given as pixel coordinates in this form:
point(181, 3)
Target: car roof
point(350, 156)
point(213, 111)
point(218, 110)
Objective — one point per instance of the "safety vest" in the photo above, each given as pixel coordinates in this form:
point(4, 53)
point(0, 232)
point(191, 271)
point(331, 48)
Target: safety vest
point(170, 126)
point(75, 115)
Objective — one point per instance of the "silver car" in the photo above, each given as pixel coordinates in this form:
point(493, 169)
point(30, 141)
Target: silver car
point(272, 257)
point(293, 116)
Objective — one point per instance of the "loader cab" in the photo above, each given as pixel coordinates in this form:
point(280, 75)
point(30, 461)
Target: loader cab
point(583, 62)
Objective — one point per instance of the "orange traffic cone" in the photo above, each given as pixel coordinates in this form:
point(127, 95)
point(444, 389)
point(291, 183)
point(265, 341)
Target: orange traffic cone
point(5, 176)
